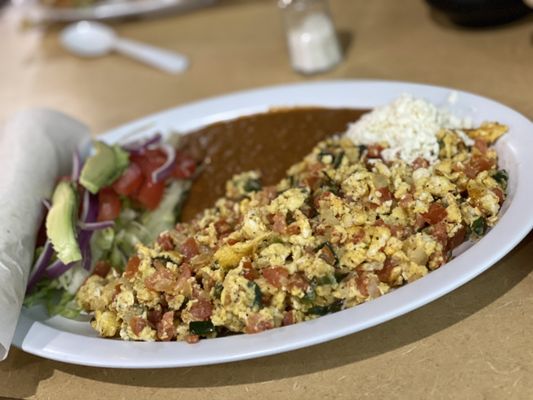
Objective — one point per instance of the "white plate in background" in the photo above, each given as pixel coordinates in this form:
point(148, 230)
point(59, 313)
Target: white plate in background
point(75, 342)
point(35, 11)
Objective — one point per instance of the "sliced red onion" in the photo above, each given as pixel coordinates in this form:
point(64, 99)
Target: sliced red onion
point(58, 268)
point(166, 169)
point(84, 241)
point(46, 203)
point(89, 207)
point(40, 266)
point(95, 226)
point(89, 213)
point(76, 166)
point(139, 146)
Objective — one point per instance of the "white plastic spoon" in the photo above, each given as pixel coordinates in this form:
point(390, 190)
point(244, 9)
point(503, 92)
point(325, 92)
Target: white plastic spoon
point(92, 39)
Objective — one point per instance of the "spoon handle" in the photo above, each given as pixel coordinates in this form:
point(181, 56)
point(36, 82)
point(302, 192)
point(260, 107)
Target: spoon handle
point(165, 60)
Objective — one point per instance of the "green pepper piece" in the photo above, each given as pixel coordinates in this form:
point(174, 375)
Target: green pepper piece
point(338, 159)
point(502, 177)
point(479, 226)
point(326, 280)
point(252, 185)
point(323, 310)
point(201, 328)
point(217, 291)
point(258, 296)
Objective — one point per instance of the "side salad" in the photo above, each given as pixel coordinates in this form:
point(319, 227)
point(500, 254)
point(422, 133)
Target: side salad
point(120, 196)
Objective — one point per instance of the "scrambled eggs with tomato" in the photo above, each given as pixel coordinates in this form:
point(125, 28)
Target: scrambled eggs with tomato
point(344, 227)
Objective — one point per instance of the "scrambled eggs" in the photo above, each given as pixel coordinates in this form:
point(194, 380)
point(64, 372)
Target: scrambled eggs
point(342, 228)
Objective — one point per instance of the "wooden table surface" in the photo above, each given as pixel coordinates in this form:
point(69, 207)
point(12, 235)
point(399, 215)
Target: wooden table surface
point(475, 343)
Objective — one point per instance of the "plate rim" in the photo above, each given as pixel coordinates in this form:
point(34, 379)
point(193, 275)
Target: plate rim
point(108, 10)
point(53, 351)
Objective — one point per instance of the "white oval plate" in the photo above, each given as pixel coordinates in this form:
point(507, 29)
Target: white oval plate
point(75, 342)
point(109, 9)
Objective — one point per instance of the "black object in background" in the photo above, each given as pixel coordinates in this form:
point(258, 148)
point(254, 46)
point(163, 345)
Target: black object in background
point(477, 13)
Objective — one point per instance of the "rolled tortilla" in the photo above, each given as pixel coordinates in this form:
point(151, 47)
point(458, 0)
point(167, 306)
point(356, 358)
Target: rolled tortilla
point(36, 147)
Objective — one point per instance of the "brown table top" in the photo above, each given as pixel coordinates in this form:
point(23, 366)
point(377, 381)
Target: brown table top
point(474, 343)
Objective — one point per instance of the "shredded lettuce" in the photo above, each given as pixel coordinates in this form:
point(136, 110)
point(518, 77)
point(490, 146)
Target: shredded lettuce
point(165, 216)
point(55, 298)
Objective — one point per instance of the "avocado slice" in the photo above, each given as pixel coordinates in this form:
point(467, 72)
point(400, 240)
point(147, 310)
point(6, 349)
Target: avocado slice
point(104, 167)
point(60, 223)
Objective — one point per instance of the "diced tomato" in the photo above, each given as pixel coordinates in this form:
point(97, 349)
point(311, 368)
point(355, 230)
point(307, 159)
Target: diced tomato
point(222, 227)
point(299, 281)
point(386, 195)
point(435, 214)
point(279, 224)
point(361, 282)
point(276, 276)
point(154, 316)
point(457, 239)
point(374, 151)
point(248, 271)
point(384, 274)
point(132, 267)
point(406, 200)
point(185, 166)
point(191, 339)
point(201, 310)
point(420, 162)
point(498, 192)
point(165, 327)
point(231, 242)
point(312, 180)
point(130, 181)
point(137, 324)
point(476, 165)
point(162, 280)
point(481, 145)
point(420, 222)
point(149, 161)
point(165, 241)
point(293, 229)
point(108, 205)
point(189, 248)
point(102, 268)
point(288, 318)
point(439, 232)
point(183, 286)
point(256, 323)
point(357, 237)
point(150, 194)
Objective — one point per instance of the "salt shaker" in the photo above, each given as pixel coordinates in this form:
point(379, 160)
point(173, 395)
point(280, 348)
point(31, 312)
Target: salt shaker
point(311, 36)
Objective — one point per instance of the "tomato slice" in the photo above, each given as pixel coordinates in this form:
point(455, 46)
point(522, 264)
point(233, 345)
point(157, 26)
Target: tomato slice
point(108, 204)
point(130, 181)
point(150, 194)
point(149, 161)
point(435, 214)
point(185, 166)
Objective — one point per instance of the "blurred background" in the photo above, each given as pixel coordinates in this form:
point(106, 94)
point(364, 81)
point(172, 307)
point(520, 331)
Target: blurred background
point(238, 44)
